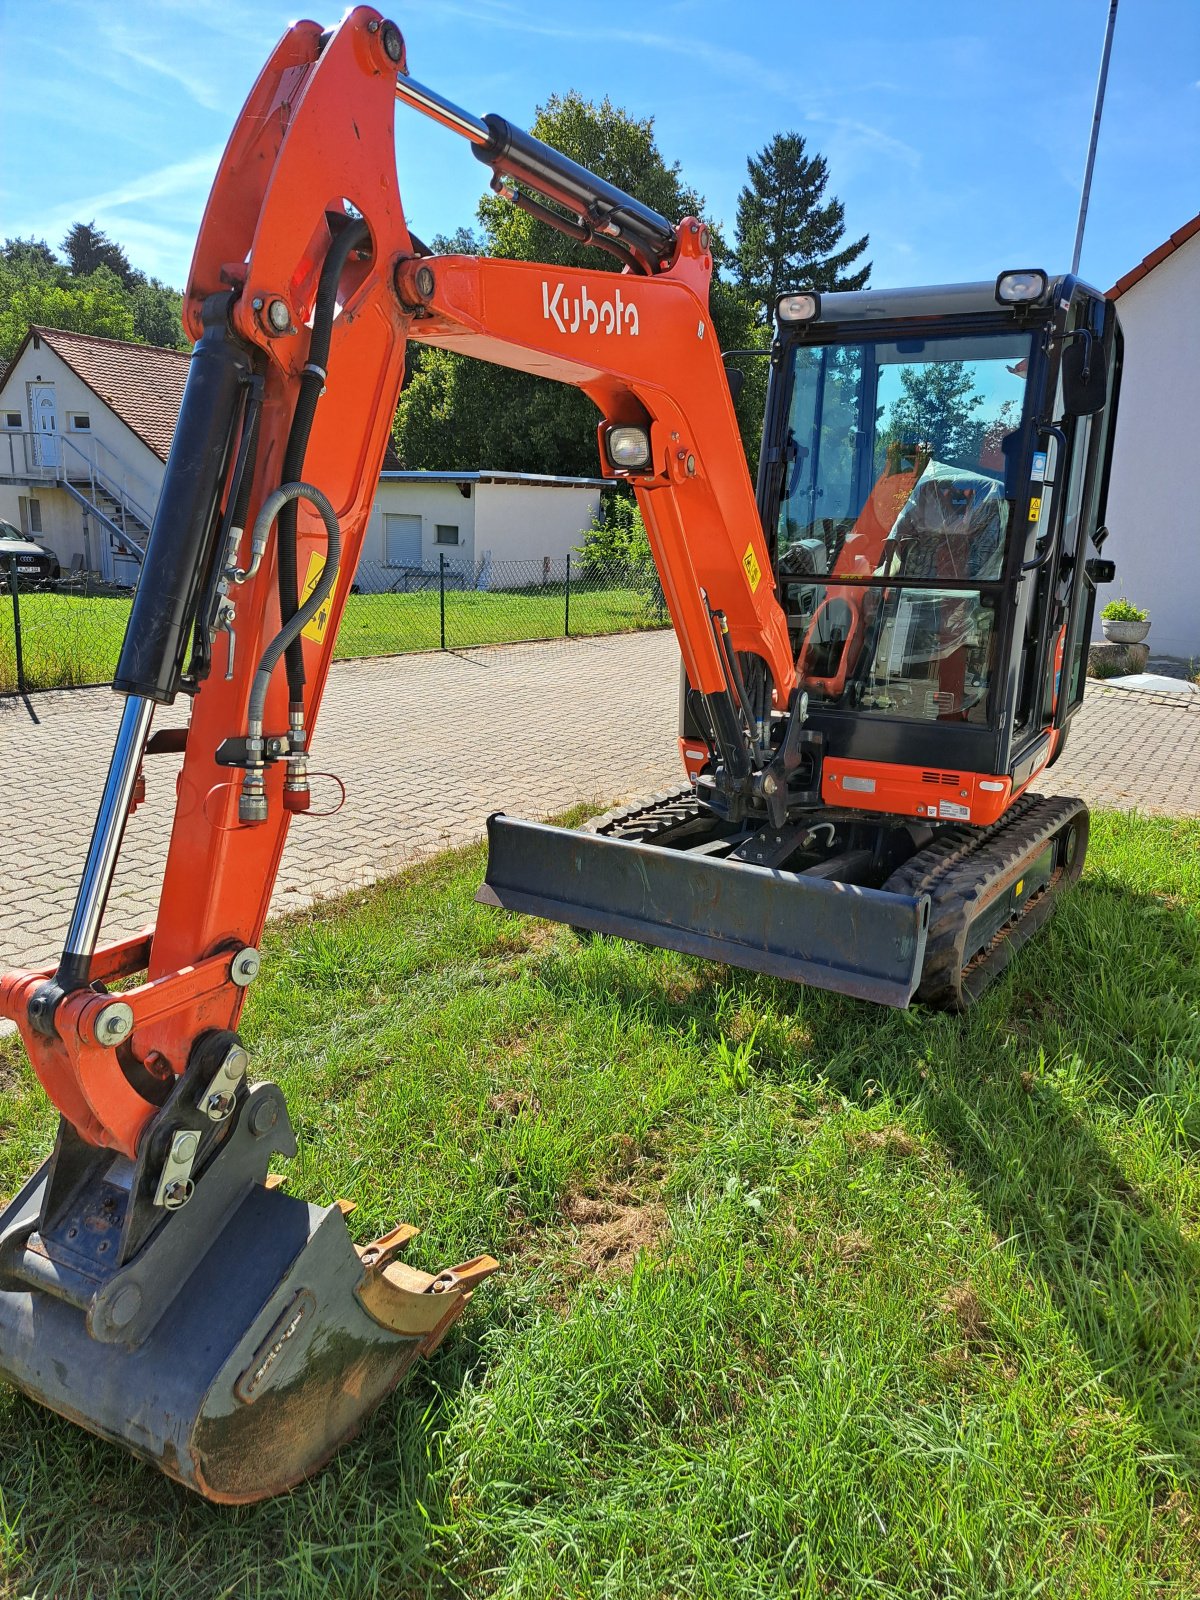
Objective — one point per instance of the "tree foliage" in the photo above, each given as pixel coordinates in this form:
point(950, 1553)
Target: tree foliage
point(459, 413)
point(789, 236)
point(937, 409)
point(94, 290)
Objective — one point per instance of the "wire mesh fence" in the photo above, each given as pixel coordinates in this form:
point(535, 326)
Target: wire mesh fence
point(68, 633)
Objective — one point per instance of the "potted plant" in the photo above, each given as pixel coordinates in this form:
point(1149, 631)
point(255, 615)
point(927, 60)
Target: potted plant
point(1124, 623)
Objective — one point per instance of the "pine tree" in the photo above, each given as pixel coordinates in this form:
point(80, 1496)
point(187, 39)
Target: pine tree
point(86, 248)
point(788, 235)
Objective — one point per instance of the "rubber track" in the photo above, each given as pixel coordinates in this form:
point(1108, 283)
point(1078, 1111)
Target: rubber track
point(651, 820)
point(963, 871)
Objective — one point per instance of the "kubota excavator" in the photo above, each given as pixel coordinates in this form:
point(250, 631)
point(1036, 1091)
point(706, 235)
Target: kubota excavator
point(880, 653)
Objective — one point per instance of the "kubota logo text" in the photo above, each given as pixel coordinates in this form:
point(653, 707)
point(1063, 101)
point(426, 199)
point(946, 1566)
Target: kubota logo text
point(570, 313)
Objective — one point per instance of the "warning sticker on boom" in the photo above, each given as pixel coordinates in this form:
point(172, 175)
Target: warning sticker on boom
point(753, 570)
point(314, 629)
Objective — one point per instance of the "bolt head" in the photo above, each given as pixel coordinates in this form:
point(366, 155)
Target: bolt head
point(393, 42)
point(264, 1116)
point(278, 315)
point(114, 1023)
point(244, 970)
point(178, 1193)
point(425, 282)
point(218, 1106)
point(185, 1145)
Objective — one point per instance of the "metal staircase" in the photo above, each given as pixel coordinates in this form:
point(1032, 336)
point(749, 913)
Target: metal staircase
point(58, 461)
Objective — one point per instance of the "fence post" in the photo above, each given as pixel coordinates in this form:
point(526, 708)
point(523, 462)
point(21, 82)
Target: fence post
point(567, 609)
point(442, 593)
point(16, 604)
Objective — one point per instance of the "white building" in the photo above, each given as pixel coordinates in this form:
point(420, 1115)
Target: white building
point(85, 427)
point(493, 529)
point(1153, 510)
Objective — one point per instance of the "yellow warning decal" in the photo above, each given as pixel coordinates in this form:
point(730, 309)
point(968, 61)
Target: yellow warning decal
point(315, 629)
point(1035, 508)
point(1020, 885)
point(753, 570)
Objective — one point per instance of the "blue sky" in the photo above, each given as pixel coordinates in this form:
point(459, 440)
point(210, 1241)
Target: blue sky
point(955, 132)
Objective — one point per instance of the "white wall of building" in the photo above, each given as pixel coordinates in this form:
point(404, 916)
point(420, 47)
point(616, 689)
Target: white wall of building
point(441, 507)
point(532, 522)
point(1153, 510)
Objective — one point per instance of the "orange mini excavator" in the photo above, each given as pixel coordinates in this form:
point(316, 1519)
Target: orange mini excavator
point(880, 653)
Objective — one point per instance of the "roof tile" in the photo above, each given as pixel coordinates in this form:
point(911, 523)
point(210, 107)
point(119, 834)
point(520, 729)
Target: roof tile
point(1148, 263)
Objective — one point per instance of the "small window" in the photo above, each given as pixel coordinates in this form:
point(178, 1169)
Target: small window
point(12, 419)
point(81, 422)
point(35, 516)
point(446, 533)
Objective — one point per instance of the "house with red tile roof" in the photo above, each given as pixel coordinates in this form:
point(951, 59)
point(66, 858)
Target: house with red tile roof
point(1153, 503)
point(86, 425)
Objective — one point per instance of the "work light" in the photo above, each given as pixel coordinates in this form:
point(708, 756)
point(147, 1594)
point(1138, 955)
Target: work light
point(798, 307)
point(1021, 288)
point(628, 447)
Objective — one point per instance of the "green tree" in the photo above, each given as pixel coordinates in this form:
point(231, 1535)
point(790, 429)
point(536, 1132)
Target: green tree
point(788, 235)
point(95, 304)
point(94, 291)
point(461, 413)
point(86, 248)
point(157, 313)
point(937, 409)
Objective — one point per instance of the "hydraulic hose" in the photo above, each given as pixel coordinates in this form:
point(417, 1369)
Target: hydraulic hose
point(252, 803)
point(273, 506)
point(312, 386)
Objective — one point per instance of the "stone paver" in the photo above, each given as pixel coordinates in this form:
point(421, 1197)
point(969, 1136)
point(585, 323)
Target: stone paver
point(429, 745)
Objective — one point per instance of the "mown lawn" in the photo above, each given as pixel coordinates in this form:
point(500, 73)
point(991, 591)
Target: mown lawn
point(799, 1297)
point(69, 640)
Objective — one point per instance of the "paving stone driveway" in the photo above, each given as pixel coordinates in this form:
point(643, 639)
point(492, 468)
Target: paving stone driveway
point(428, 745)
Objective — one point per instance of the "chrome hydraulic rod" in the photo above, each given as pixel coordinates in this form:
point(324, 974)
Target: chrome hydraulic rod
point(105, 846)
point(441, 110)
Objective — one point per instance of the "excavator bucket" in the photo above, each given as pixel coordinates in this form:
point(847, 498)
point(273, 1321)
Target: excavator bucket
point(861, 942)
point(242, 1342)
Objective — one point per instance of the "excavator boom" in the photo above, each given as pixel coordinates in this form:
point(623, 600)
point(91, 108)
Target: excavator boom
point(155, 1283)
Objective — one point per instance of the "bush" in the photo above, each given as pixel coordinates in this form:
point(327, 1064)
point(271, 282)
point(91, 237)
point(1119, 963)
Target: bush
point(618, 534)
point(1122, 611)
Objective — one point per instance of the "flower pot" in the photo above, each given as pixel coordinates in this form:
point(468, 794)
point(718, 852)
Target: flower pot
point(1124, 632)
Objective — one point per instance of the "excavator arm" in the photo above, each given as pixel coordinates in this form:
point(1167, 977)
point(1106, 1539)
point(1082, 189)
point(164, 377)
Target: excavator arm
point(305, 289)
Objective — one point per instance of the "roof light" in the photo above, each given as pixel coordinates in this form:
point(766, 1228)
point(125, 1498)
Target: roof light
point(798, 307)
point(1021, 288)
point(628, 448)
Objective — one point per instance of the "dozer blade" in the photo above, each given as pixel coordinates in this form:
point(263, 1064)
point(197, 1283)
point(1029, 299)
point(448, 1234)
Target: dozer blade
point(242, 1344)
point(837, 936)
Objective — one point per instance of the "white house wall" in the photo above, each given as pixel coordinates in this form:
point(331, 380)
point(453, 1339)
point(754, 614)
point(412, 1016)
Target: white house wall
point(434, 503)
point(532, 523)
point(1153, 512)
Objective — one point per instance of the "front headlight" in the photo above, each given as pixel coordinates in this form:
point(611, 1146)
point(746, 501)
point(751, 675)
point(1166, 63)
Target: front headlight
point(628, 447)
point(798, 307)
point(1021, 288)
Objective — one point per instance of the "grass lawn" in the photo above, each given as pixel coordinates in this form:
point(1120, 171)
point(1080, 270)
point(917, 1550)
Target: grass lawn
point(70, 641)
point(800, 1297)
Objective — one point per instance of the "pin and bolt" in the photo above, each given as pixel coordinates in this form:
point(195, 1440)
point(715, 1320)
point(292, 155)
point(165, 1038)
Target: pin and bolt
point(114, 1024)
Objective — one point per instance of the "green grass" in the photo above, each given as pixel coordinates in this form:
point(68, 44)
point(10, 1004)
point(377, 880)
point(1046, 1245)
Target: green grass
point(69, 640)
point(800, 1297)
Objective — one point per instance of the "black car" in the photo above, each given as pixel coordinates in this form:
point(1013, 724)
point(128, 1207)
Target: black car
point(34, 562)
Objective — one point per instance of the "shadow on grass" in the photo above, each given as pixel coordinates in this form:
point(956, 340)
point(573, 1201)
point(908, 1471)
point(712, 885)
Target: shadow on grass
point(1119, 1269)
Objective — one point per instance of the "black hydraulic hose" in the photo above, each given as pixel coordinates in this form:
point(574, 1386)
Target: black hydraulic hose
point(312, 385)
point(274, 505)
